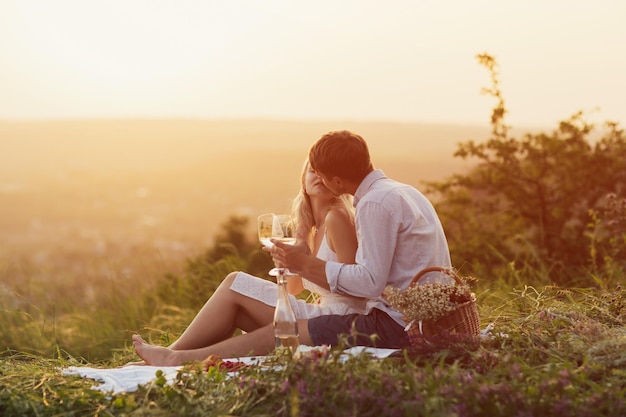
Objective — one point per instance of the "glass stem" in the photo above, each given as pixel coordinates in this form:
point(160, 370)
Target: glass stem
point(280, 278)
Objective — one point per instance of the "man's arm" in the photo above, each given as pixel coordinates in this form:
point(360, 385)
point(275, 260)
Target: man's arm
point(299, 260)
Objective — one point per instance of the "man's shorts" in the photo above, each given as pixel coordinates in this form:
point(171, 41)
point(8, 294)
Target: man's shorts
point(325, 330)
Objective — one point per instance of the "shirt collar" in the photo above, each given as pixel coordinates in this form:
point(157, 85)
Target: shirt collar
point(367, 183)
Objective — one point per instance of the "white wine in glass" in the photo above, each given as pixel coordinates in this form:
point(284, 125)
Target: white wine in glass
point(276, 226)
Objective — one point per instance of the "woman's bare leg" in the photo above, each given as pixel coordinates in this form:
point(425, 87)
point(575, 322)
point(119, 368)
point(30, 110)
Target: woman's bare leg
point(257, 343)
point(221, 315)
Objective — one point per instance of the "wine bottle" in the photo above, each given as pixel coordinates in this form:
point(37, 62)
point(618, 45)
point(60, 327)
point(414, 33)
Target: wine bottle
point(285, 324)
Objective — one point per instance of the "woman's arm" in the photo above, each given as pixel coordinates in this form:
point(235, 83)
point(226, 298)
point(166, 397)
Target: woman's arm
point(341, 235)
point(294, 283)
point(341, 238)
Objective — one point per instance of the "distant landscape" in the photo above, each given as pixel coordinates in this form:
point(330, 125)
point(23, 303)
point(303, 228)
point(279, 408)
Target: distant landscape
point(83, 201)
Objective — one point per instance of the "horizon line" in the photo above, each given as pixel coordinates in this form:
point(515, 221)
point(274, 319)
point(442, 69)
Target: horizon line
point(33, 120)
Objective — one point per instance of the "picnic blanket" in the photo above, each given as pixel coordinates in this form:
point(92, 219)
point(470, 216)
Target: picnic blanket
point(129, 378)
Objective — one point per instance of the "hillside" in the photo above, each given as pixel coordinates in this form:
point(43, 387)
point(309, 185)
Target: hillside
point(76, 190)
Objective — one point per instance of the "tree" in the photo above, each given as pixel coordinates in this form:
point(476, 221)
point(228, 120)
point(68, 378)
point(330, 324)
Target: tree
point(528, 199)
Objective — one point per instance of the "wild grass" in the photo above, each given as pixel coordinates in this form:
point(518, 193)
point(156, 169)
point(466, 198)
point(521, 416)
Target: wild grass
point(550, 351)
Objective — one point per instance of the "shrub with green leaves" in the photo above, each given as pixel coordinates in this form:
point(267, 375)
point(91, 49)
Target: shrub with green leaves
point(528, 199)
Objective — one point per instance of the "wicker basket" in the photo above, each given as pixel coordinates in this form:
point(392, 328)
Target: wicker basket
point(463, 320)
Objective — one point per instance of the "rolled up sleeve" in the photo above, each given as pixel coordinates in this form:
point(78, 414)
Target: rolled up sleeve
point(332, 273)
point(368, 277)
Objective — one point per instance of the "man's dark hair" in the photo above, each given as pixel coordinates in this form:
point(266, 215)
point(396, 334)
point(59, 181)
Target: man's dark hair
point(341, 154)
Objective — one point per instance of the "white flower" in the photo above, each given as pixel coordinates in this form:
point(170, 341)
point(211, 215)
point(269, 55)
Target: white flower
point(427, 302)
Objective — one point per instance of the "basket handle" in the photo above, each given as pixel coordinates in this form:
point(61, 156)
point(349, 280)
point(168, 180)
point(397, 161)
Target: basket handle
point(445, 270)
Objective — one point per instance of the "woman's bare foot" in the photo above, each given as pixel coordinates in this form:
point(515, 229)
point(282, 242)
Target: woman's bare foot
point(137, 363)
point(154, 355)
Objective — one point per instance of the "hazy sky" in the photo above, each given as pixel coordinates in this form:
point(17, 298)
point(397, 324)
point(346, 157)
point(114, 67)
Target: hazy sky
point(325, 59)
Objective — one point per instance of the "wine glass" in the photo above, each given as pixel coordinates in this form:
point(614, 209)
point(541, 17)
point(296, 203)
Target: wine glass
point(276, 226)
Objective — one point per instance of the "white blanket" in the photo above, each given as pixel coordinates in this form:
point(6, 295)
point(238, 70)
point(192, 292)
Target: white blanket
point(125, 379)
point(129, 378)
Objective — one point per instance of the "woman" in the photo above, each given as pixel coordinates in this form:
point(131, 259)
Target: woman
point(245, 302)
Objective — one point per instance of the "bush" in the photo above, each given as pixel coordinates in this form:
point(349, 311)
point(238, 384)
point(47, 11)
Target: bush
point(528, 199)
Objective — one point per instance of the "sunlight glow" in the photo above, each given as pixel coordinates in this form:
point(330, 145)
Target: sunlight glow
point(403, 60)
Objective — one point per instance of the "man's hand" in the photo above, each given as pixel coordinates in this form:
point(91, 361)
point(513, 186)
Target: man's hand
point(292, 257)
point(299, 260)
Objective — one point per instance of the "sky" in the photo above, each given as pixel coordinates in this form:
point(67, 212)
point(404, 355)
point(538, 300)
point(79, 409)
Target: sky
point(394, 60)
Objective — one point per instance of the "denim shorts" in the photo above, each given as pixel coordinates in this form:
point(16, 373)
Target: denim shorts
point(325, 330)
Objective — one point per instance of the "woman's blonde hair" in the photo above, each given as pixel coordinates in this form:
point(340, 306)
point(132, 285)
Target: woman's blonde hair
point(302, 210)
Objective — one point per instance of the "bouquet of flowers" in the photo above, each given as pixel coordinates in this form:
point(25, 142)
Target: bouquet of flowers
point(427, 302)
point(449, 307)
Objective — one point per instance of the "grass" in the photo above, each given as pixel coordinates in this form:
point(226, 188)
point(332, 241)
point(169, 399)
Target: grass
point(551, 351)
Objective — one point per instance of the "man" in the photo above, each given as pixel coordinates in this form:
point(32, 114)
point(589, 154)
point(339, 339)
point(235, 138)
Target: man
point(398, 234)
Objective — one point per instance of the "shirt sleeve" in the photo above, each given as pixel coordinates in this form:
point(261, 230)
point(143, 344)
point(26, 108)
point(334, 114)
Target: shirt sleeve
point(377, 231)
